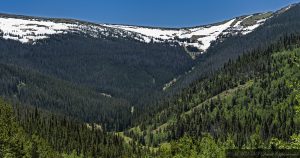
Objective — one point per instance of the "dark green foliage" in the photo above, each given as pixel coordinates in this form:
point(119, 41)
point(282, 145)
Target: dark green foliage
point(121, 67)
point(15, 143)
point(62, 97)
point(29, 132)
point(66, 135)
point(133, 73)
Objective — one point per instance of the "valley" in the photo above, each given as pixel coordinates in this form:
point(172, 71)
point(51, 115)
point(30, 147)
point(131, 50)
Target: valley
point(71, 88)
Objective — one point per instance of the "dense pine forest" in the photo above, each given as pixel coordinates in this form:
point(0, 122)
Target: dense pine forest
point(101, 77)
point(249, 103)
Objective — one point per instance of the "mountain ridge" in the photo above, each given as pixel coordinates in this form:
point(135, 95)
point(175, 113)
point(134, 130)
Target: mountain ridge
point(196, 39)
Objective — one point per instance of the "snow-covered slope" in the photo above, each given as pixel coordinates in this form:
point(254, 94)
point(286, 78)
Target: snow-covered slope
point(182, 36)
point(30, 30)
point(199, 37)
point(196, 40)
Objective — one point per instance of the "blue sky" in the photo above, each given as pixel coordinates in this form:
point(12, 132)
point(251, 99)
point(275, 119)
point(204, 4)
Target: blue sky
point(166, 13)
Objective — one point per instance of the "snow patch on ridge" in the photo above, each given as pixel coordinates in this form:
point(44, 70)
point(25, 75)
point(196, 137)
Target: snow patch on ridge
point(249, 29)
point(200, 37)
point(195, 40)
point(203, 36)
point(239, 28)
point(30, 30)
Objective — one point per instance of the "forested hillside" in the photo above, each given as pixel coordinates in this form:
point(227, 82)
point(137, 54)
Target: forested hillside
point(92, 79)
point(122, 68)
point(282, 23)
point(14, 142)
point(251, 102)
point(61, 97)
point(31, 133)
